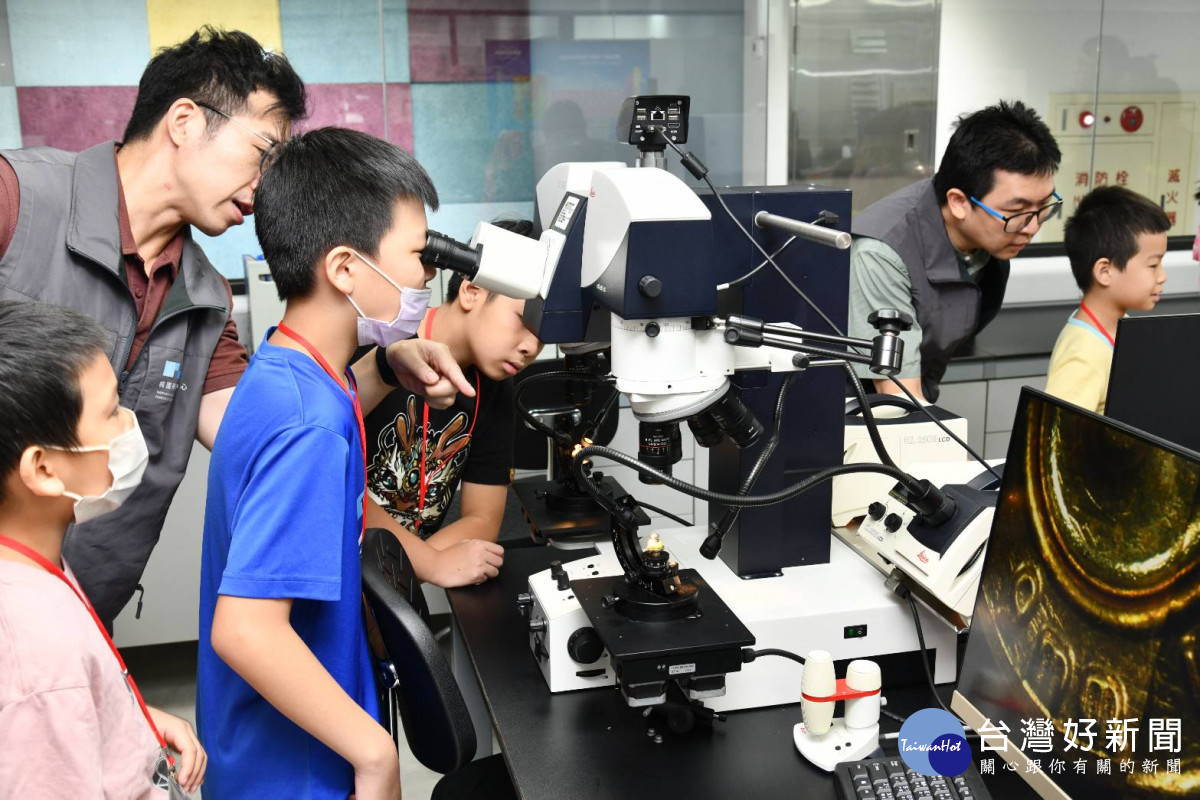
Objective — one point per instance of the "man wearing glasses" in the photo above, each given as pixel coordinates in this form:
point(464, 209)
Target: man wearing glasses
point(106, 232)
point(939, 249)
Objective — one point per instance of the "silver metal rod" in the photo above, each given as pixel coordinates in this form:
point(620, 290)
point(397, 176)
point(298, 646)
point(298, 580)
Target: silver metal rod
point(805, 230)
point(652, 158)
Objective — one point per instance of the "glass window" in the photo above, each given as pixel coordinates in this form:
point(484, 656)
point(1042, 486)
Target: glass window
point(863, 93)
point(1146, 121)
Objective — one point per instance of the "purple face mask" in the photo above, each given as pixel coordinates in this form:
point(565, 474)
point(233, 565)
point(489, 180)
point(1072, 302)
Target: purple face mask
point(413, 305)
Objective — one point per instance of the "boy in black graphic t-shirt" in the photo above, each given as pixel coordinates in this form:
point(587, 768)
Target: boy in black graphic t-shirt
point(418, 456)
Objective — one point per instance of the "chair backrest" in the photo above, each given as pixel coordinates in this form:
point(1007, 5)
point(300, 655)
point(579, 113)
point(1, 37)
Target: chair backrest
point(430, 704)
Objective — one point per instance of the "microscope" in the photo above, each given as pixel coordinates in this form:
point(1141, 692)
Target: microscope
point(702, 335)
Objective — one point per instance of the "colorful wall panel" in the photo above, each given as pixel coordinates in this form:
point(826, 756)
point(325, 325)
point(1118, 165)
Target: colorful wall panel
point(73, 117)
point(170, 21)
point(78, 42)
point(474, 138)
point(10, 119)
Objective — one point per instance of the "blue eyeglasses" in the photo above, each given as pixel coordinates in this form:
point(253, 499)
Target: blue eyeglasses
point(1019, 222)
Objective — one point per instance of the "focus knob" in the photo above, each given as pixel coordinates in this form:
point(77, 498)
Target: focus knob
point(892, 522)
point(653, 329)
point(876, 510)
point(650, 286)
point(584, 646)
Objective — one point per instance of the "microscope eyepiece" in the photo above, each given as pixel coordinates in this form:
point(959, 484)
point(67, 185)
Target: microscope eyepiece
point(443, 252)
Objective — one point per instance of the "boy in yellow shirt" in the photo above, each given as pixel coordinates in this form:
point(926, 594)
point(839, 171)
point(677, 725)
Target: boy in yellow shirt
point(1115, 241)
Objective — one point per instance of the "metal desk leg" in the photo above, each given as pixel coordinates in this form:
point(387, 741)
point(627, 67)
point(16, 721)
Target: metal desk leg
point(460, 664)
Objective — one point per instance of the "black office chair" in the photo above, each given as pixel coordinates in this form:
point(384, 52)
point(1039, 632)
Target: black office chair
point(418, 692)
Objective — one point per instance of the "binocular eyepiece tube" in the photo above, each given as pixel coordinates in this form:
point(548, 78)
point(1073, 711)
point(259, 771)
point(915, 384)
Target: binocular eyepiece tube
point(443, 252)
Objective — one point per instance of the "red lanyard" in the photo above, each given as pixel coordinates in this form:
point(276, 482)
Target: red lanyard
point(425, 431)
point(45, 564)
point(353, 395)
point(1096, 322)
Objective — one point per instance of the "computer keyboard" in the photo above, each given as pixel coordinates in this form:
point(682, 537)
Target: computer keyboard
point(891, 779)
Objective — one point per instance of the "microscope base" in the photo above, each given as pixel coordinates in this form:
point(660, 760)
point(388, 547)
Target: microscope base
point(699, 650)
point(842, 607)
point(836, 745)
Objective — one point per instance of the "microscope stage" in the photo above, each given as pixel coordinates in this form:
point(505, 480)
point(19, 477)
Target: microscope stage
point(708, 643)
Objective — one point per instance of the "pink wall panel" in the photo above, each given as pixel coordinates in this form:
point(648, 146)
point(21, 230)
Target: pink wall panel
point(73, 117)
point(400, 119)
point(348, 105)
point(450, 44)
point(360, 106)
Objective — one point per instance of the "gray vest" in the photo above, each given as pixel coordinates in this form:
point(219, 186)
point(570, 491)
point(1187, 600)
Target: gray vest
point(950, 308)
point(66, 250)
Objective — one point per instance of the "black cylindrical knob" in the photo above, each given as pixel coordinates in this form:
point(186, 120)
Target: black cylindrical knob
point(564, 582)
point(650, 286)
point(892, 522)
point(876, 510)
point(556, 569)
point(584, 646)
point(653, 329)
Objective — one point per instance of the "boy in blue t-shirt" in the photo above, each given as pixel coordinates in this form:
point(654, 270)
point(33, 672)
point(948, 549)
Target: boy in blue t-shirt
point(286, 693)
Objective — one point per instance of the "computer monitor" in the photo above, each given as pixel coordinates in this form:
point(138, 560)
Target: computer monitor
point(1154, 384)
point(1089, 609)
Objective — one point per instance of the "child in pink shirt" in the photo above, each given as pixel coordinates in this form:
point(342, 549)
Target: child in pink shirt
point(71, 723)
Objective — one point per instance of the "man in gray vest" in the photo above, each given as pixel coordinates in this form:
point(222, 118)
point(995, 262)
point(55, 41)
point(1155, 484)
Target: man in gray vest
point(106, 232)
point(939, 249)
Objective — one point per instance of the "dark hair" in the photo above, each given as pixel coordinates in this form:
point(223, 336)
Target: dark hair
point(219, 68)
point(521, 226)
point(1106, 224)
point(1006, 136)
point(43, 350)
point(331, 187)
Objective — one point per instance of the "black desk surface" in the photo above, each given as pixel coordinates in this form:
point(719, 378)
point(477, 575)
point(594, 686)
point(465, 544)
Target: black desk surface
point(589, 745)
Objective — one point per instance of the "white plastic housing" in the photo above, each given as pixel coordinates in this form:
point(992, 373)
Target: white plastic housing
point(863, 676)
point(817, 681)
point(511, 264)
point(570, 176)
point(622, 197)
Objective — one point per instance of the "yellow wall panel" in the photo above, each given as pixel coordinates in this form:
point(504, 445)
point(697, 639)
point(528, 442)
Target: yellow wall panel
point(172, 21)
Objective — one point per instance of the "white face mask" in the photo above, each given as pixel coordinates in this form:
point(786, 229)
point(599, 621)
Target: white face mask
point(127, 460)
point(413, 305)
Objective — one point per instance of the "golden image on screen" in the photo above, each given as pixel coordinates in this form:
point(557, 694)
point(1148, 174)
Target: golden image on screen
point(1089, 605)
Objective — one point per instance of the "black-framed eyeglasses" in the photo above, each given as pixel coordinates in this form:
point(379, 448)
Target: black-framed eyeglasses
point(268, 155)
point(1019, 222)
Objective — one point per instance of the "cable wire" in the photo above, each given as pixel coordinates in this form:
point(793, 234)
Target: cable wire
point(663, 512)
point(749, 654)
point(833, 327)
point(868, 417)
point(912, 605)
point(546, 377)
point(755, 271)
point(745, 501)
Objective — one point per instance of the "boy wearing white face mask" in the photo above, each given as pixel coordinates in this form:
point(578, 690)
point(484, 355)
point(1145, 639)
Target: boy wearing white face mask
point(286, 697)
point(71, 723)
